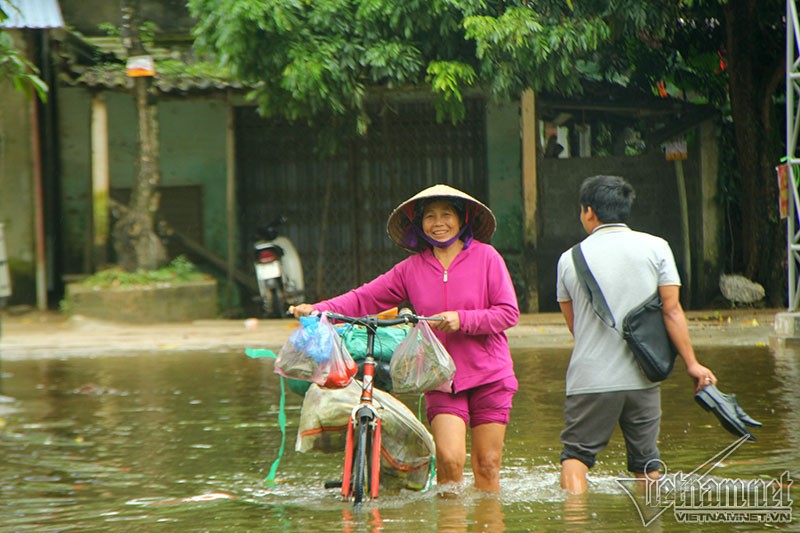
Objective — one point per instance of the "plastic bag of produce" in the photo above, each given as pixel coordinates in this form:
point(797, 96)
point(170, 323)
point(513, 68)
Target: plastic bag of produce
point(407, 447)
point(420, 363)
point(314, 352)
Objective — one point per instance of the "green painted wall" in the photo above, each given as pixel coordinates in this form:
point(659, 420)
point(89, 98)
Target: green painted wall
point(16, 190)
point(505, 163)
point(76, 176)
point(504, 155)
point(192, 135)
point(193, 153)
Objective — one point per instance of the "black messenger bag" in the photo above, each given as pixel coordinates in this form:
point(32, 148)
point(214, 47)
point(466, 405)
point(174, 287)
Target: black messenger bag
point(642, 328)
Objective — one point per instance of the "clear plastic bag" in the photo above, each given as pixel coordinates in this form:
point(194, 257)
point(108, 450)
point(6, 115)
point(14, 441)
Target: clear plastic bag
point(420, 363)
point(314, 352)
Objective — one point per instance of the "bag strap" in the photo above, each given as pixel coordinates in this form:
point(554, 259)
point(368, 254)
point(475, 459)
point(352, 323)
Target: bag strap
point(593, 292)
point(255, 353)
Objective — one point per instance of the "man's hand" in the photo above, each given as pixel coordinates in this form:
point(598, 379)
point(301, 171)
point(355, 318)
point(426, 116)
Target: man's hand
point(450, 323)
point(702, 376)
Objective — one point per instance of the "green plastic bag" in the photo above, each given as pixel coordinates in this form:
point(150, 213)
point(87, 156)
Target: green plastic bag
point(386, 340)
point(298, 386)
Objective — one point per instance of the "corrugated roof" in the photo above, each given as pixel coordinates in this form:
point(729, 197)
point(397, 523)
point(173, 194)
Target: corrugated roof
point(114, 78)
point(32, 14)
point(98, 63)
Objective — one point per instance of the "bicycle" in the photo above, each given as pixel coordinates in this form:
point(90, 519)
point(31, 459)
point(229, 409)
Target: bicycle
point(361, 471)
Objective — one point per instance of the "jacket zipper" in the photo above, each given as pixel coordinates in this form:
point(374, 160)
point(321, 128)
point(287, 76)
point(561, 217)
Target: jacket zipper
point(444, 280)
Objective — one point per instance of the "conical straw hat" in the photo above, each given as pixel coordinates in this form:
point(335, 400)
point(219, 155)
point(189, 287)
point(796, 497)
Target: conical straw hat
point(481, 217)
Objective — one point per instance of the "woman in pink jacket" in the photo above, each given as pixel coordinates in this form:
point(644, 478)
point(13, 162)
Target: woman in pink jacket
point(456, 275)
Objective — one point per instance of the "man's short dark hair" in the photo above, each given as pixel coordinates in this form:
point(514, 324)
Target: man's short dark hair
point(610, 197)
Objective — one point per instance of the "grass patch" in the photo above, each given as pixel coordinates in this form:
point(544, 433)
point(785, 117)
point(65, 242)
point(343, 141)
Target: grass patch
point(180, 270)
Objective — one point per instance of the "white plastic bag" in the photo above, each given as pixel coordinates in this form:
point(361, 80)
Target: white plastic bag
point(420, 363)
point(407, 447)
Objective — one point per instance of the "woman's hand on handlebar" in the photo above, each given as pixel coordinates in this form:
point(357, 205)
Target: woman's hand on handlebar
point(449, 323)
point(301, 310)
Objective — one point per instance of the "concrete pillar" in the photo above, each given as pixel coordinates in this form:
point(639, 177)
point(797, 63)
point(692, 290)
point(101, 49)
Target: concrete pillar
point(787, 332)
point(530, 198)
point(100, 181)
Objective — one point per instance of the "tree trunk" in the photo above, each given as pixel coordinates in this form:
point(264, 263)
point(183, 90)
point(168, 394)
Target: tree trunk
point(137, 245)
point(752, 85)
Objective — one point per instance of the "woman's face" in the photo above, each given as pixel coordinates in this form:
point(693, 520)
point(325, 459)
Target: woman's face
point(440, 221)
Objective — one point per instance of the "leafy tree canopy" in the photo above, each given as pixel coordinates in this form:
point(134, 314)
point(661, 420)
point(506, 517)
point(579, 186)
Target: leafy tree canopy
point(313, 58)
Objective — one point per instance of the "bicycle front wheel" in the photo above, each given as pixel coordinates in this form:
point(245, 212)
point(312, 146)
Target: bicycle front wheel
point(361, 462)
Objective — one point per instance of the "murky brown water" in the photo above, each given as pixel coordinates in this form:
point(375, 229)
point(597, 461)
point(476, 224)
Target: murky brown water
point(183, 441)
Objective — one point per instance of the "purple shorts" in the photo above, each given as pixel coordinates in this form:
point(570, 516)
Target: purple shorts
point(484, 404)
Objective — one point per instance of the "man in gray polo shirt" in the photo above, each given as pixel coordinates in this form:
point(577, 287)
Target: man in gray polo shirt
point(604, 384)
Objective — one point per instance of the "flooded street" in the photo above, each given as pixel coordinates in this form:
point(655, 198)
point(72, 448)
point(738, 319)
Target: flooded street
point(182, 441)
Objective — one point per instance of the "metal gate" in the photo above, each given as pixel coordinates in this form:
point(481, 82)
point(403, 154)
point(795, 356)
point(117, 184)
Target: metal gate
point(337, 206)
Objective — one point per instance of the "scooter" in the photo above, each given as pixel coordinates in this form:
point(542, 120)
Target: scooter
point(279, 272)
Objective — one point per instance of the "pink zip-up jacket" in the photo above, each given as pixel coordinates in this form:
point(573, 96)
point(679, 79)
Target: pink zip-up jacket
point(477, 285)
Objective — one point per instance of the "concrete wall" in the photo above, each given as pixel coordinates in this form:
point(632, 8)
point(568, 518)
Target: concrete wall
point(167, 303)
point(16, 188)
point(656, 210)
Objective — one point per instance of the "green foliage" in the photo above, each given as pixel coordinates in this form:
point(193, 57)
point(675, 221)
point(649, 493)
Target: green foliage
point(14, 66)
point(147, 31)
point(524, 48)
point(318, 61)
point(446, 79)
point(180, 270)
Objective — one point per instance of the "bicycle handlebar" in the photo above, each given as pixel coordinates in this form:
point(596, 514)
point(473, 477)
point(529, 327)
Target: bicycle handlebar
point(372, 320)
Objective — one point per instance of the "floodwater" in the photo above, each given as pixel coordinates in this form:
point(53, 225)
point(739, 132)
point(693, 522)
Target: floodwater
point(182, 441)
